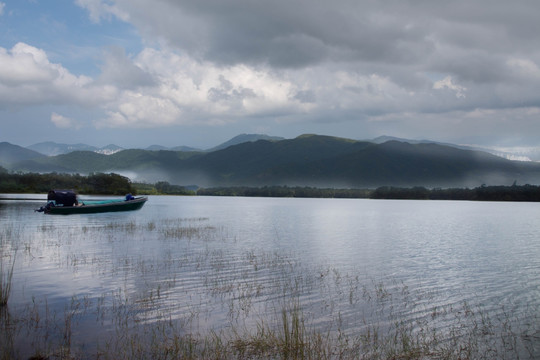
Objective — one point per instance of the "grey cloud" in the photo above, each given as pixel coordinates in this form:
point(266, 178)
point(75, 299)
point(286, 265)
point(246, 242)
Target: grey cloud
point(398, 39)
point(357, 58)
point(295, 33)
point(227, 92)
point(120, 71)
point(305, 96)
point(307, 32)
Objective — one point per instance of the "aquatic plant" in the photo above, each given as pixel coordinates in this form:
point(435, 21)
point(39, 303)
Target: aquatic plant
point(6, 277)
point(197, 298)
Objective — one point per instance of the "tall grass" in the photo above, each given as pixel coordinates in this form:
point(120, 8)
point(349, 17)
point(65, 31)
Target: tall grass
point(252, 304)
point(6, 277)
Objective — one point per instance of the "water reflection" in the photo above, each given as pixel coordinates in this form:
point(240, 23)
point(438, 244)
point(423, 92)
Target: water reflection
point(211, 264)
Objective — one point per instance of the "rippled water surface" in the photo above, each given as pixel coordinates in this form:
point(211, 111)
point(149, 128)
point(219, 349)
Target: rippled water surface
point(211, 263)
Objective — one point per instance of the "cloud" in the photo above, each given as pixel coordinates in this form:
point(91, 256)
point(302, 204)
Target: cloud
point(473, 44)
point(140, 111)
point(287, 33)
point(27, 77)
point(447, 83)
point(99, 9)
point(63, 122)
point(120, 70)
point(2, 6)
point(185, 91)
point(26, 64)
point(404, 65)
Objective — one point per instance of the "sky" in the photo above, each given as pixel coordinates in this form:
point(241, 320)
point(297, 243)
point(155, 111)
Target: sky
point(197, 73)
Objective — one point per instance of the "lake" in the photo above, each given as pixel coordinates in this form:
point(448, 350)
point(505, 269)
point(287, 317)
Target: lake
point(444, 272)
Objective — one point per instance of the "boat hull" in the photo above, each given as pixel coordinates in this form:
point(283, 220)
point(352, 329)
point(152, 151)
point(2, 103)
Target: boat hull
point(120, 205)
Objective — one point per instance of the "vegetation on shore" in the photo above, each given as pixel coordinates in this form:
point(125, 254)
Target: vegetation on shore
point(482, 193)
point(114, 184)
point(286, 191)
point(162, 188)
point(95, 183)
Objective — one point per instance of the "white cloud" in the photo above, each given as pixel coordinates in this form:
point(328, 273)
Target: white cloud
point(2, 6)
point(159, 88)
point(25, 64)
point(27, 77)
point(99, 9)
point(63, 122)
point(189, 92)
point(449, 84)
point(140, 111)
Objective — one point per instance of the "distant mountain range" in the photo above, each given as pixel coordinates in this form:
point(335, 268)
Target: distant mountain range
point(50, 148)
point(308, 160)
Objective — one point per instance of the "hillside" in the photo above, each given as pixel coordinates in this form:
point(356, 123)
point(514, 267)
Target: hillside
point(244, 138)
point(308, 160)
point(327, 161)
point(10, 153)
point(51, 148)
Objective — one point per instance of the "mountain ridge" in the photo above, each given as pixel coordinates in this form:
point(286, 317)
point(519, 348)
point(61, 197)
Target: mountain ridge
point(51, 148)
point(10, 153)
point(307, 160)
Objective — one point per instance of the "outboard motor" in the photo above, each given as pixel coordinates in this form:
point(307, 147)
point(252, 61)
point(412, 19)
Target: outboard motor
point(59, 198)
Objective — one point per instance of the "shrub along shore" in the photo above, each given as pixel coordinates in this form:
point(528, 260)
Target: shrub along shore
point(114, 184)
point(482, 193)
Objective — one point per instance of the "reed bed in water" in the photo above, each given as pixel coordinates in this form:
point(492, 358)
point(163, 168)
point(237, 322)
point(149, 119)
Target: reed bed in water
point(6, 278)
point(199, 296)
point(7, 264)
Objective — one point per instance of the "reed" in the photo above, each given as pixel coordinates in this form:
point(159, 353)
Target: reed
point(253, 304)
point(471, 335)
point(6, 277)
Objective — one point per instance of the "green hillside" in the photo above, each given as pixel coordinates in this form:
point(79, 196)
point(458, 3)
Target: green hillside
point(308, 160)
point(10, 153)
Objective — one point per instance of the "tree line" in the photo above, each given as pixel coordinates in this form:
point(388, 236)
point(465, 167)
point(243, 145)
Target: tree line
point(285, 191)
point(94, 183)
point(162, 188)
point(482, 193)
point(114, 184)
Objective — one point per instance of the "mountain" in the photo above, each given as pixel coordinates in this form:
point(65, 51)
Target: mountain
point(10, 153)
point(511, 153)
point(109, 149)
point(176, 148)
point(184, 148)
point(327, 161)
point(308, 160)
point(156, 148)
point(243, 138)
point(50, 148)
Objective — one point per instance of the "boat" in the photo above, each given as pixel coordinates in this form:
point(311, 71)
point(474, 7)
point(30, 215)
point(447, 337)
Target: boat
point(65, 202)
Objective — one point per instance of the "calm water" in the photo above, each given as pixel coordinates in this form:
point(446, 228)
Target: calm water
point(215, 262)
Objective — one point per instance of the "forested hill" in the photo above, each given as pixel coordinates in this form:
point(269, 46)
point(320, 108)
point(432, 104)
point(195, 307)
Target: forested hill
point(10, 153)
point(308, 160)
